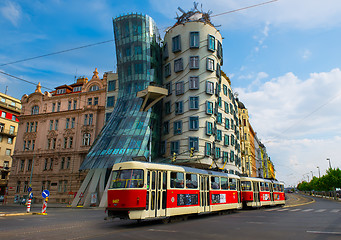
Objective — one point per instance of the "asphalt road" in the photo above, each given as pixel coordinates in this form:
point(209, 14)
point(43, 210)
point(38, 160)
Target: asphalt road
point(321, 219)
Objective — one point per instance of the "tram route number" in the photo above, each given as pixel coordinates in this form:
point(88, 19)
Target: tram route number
point(187, 199)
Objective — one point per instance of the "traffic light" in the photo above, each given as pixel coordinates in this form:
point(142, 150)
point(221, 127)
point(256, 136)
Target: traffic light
point(174, 157)
point(192, 152)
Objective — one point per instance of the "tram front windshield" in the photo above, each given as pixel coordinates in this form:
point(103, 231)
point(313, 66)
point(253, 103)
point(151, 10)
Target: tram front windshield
point(130, 178)
point(246, 185)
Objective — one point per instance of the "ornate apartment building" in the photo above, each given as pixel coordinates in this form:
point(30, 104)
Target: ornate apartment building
point(10, 109)
point(56, 130)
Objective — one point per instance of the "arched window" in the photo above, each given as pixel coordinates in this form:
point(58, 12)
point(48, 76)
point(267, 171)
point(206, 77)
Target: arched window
point(35, 110)
point(86, 139)
point(94, 88)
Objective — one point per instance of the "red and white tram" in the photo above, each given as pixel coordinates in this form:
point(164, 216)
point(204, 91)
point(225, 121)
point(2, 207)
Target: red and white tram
point(142, 190)
point(258, 192)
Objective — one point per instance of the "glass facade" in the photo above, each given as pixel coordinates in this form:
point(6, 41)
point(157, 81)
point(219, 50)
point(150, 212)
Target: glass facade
point(127, 132)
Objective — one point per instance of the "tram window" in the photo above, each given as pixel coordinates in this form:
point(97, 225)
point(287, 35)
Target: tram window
point(148, 180)
point(147, 201)
point(246, 185)
point(130, 178)
point(153, 180)
point(164, 182)
point(232, 184)
point(177, 180)
point(215, 183)
point(191, 180)
point(224, 183)
point(266, 186)
point(262, 187)
point(152, 201)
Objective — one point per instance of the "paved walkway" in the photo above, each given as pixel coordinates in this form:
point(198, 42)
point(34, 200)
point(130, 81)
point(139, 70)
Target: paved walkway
point(294, 199)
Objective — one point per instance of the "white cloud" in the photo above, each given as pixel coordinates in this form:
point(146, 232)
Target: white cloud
point(306, 54)
point(12, 12)
point(298, 120)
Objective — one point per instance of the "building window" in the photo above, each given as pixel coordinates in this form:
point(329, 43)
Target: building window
point(51, 163)
point(3, 114)
point(62, 163)
point(69, 105)
point(219, 50)
point(111, 85)
point(175, 147)
point(73, 122)
point(232, 156)
point(178, 65)
point(110, 101)
point(89, 101)
point(65, 142)
point(86, 119)
point(10, 140)
point(218, 136)
point(176, 43)
point(94, 88)
point(209, 107)
point(167, 70)
point(217, 152)
point(35, 126)
point(207, 149)
point(209, 87)
point(29, 165)
point(167, 107)
point(194, 62)
point(35, 110)
point(179, 88)
point(77, 89)
point(56, 124)
point(8, 152)
point(18, 187)
point(193, 142)
point(225, 157)
point(86, 139)
point(165, 51)
point(194, 82)
point(232, 139)
point(95, 101)
point(219, 118)
point(227, 123)
point(211, 43)
point(209, 128)
point(194, 41)
point(179, 107)
point(54, 141)
point(177, 127)
point(225, 89)
point(68, 162)
point(226, 140)
point(166, 127)
point(193, 123)
point(58, 106)
point(226, 107)
point(61, 91)
point(74, 104)
point(218, 72)
point(169, 88)
point(11, 129)
point(210, 64)
point(67, 123)
point(53, 107)
point(22, 165)
point(45, 163)
point(70, 142)
point(193, 103)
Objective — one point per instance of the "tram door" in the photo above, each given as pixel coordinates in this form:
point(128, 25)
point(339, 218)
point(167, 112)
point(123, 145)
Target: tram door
point(256, 198)
point(271, 192)
point(204, 193)
point(156, 193)
point(238, 190)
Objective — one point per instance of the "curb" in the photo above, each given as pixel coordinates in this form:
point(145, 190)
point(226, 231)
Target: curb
point(20, 214)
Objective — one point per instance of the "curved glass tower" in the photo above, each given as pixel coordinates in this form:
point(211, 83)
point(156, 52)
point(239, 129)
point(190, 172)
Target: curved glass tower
point(127, 132)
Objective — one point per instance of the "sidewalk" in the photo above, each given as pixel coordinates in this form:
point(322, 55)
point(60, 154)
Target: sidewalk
point(294, 199)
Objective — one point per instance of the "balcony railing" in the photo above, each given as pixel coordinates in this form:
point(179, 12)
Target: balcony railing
point(8, 132)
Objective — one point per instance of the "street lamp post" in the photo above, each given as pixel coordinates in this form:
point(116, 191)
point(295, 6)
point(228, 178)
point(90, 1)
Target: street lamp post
point(330, 166)
point(312, 175)
point(319, 171)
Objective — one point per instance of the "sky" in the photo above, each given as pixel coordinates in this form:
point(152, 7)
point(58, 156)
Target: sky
point(283, 59)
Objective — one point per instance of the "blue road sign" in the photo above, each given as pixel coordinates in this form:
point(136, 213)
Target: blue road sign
point(31, 195)
point(29, 189)
point(45, 193)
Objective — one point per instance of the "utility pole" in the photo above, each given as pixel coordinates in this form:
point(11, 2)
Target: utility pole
point(312, 176)
point(330, 166)
point(319, 171)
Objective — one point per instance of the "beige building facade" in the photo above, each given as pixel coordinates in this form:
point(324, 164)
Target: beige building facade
point(55, 133)
point(10, 109)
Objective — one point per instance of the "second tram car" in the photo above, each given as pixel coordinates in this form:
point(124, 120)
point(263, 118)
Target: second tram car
point(143, 190)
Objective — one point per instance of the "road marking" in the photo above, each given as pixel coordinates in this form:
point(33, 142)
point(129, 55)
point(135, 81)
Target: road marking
point(160, 230)
point(282, 210)
point(335, 210)
point(321, 210)
point(320, 232)
point(273, 209)
point(308, 210)
point(295, 210)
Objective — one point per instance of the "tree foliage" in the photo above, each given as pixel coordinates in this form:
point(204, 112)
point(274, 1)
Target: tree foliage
point(327, 182)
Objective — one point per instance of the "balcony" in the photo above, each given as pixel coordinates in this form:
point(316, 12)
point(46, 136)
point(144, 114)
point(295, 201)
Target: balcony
point(8, 106)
